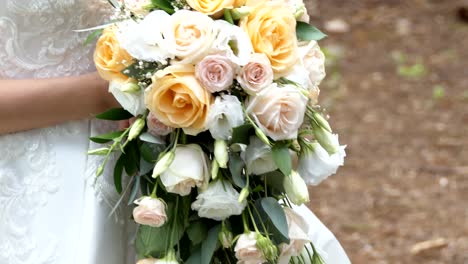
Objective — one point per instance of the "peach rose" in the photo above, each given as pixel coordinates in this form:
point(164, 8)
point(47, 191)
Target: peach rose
point(211, 7)
point(150, 212)
point(178, 100)
point(110, 58)
point(272, 30)
point(278, 111)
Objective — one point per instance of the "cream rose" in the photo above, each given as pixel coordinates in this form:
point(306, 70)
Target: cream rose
point(216, 73)
point(219, 201)
point(256, 75)
point(272, 30)
point(189, 169)
point(150, 211)
point(178, 100)
point(211, 7)
point(278, 111)
point(110, 58)
point(247, 251)
point(313, 60)
point(156, 127)
point(189, 36)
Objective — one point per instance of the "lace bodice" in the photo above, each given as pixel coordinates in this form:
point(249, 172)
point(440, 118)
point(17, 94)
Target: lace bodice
point(37, 40)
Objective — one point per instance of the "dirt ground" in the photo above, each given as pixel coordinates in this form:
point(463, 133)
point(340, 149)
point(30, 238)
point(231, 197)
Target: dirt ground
point(397, 93)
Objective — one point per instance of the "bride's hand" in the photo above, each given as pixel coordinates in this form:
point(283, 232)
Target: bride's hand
point(28, 104)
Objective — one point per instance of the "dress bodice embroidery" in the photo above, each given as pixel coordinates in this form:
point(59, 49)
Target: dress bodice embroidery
point(37, 41)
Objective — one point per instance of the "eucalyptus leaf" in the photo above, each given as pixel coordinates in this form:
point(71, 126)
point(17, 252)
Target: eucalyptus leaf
point(195, 258)
point(150, 152)
point(115, 114)
point(306, 32)
point(147, 137)
point(236, 167)
point(210, 245)
point(134, 192)
point(104, 138)
point(197, 232)
point(276, 214)
point(282, 158)
point(241, 134)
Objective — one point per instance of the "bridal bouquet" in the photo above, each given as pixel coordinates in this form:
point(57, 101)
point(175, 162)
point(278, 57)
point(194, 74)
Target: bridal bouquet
point(226, 131)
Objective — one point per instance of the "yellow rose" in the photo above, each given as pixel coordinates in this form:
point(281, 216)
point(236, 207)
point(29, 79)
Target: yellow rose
point(110, 58)
point(211, 7)
point(272, 30)
point(178, 100)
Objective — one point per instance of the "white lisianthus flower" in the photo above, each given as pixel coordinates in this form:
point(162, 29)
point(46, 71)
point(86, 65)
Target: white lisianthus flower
point(219, 201)
point(216, 72)
point(233, 42)
point(297, 8)
point(256, 75)
point(247, 251)
point(278, 111)
point(315, 164)
point(143, 40)
point(188, 169)
point(129, 95)
point(150, 211)
point(137, 7)
point(258, 157)
point(296, 188)
point(225, 114)
point(313, 60)
point(298, 230)
point(189, 36)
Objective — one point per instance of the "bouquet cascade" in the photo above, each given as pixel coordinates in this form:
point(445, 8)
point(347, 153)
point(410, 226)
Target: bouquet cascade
point(226, 130)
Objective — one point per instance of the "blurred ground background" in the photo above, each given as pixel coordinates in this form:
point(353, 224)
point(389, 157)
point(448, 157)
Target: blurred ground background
point(397, 93)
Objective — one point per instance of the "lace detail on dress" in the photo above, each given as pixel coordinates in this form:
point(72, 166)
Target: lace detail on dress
point(38, 39)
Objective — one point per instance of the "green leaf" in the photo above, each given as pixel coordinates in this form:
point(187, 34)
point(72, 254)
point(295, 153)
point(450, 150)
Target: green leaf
point(276, 214)
point(104, 138)
point(236, 166)
point(282, 158)
point(241, 134)
point(92, 36)
point(150, 152)
point(115, 114)
point(228, 16)
point(305, 31)
point(132, 157)
point(197, 232)
point(145, 167)
point(195, 258)
point(163, 5)
point(118, 170)
point(210, 245)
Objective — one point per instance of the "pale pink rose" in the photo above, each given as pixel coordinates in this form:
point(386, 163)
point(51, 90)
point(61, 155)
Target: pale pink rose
point(156, 127)
point(247, 251)
point(150, 212)
point(215, 73)
point(278, 111)
point(147, 261)
point(256, 75)
point(298, 236)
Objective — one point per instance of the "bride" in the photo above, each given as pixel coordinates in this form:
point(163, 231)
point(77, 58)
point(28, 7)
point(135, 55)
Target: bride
point(53, 210)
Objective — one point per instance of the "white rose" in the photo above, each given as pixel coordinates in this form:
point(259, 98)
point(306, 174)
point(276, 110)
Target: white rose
point(189, 36)
point(298, 230)
point(219, 201)
point(315, 164)
point(129, 95)
point(313, 60)
point(143, 40)
point(256, 75)
point(188, 169)
point(278, 111)
point(225, 114)
point(150, 212)
point(233, 42)
point(138, 7)
point(247, 251)
point(258, 157)
point(216, 72)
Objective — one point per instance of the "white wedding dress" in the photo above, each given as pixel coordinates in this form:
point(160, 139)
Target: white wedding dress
point(52, 209)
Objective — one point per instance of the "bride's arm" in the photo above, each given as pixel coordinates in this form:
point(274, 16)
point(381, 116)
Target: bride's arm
point(28, 104)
